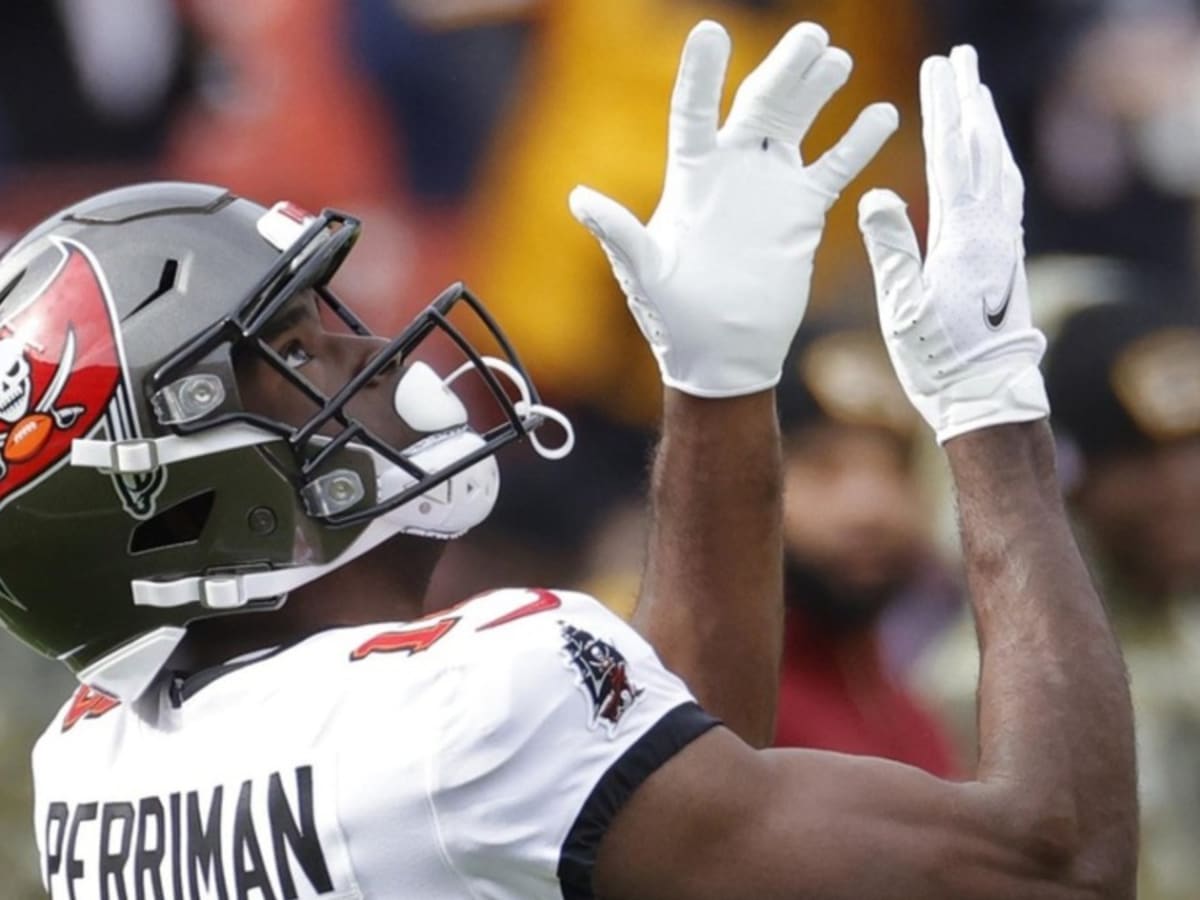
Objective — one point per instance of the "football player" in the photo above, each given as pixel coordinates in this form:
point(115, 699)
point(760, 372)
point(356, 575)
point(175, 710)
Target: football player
point(228, 536)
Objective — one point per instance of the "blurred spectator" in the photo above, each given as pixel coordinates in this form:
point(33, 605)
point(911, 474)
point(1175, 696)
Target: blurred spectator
point(855, 543)
point(111, 72)
point(445, 74)
point(594, 103)
point(283, 114)
point(1101, 101)
point(87, 95)
point(1124, 383)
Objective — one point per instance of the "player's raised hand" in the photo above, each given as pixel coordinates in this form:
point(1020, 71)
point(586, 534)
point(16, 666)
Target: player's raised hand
point(958, 326)
point(718, 280)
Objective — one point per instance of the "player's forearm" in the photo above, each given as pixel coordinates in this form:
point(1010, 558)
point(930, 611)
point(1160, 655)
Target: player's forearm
point(712, 596)
point(1056, 730)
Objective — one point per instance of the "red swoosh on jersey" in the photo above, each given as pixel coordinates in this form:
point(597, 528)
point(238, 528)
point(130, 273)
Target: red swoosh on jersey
point(544, 602)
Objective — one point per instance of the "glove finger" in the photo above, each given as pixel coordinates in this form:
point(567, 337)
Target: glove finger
point(696, 101)
point(824, 78)
point(965, 62)
point(763, 106)
point(927, 141)
point(895, 256)
point(1011, 184)
point(991, 149)
point(624, 239)
point(843, 162)
point(947, 168)
point(980, 125)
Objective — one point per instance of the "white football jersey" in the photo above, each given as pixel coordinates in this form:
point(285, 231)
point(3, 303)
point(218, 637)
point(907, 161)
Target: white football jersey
point(478, 753)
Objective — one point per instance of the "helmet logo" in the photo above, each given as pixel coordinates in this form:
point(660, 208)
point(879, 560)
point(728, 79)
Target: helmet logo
point(139, 493)
point(31, 424)
point(59, 371)
point(14, 381)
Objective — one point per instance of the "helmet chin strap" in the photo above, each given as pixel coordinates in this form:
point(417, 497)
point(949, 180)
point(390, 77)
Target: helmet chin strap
point(451, 508)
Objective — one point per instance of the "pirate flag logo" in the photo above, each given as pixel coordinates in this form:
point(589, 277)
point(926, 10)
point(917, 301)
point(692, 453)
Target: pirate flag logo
point(602, 674)
point(60, 372)
point(31, 420)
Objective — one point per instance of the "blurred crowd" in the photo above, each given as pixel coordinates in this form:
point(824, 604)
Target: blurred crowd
point(456, 128)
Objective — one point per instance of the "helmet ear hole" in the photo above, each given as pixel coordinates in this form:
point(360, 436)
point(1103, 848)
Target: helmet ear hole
point(180, 524)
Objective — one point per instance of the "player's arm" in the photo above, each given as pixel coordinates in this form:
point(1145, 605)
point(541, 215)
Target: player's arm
point(1051, 814)
point(718, 282)
point(1052, 811)
point(712, 594)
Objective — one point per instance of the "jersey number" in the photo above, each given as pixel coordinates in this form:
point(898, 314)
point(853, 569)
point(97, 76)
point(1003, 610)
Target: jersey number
point(422, 637)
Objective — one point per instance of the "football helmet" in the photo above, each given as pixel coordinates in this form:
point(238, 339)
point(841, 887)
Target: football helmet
point(138, 494)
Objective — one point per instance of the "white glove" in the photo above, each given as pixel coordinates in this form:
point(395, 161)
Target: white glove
point(959, 331)
point(718, 280)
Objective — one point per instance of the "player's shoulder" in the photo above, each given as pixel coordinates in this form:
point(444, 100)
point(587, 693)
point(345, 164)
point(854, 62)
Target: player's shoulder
point(506, 636)
point(513, 649)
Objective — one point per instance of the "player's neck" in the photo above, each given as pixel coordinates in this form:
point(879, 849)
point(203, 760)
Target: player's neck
point(387, 584)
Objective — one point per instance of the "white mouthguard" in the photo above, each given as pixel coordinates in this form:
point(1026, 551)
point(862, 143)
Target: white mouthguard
point(426, 403)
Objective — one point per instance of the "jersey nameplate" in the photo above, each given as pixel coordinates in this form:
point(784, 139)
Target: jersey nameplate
point(258, 839)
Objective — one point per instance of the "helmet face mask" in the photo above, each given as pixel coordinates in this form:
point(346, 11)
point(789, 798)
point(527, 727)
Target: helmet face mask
point(312, 260)
point(171, 500)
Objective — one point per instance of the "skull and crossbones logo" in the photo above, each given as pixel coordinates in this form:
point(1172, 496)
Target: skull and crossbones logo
point(16, 389)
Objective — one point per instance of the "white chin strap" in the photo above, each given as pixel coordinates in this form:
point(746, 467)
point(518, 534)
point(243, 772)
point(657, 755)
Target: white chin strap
point(456, 505)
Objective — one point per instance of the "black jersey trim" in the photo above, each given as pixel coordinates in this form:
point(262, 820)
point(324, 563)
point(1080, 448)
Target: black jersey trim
point(666, 737)
point(183, 686)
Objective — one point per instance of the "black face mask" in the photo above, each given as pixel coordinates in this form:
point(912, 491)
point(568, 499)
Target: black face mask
point(310, 262)
point(831, 606)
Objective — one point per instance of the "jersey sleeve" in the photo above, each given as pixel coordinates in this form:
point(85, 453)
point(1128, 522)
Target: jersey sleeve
point(563, 716)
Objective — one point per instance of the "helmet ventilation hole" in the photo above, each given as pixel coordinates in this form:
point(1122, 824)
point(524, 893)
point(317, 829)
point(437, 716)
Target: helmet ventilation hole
point(181, 524)
point(166, 281)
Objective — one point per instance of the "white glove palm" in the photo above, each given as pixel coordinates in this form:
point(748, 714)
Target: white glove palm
point(959, 329)
point(718, 280)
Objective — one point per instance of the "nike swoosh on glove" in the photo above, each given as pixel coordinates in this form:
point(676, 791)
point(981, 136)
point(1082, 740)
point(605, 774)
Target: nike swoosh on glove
point(718, 280)
point(958, 328)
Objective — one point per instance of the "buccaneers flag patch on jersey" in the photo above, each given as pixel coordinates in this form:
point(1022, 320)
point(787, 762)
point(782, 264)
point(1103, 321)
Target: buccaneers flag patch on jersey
point(59, 371)
point(602, 675)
